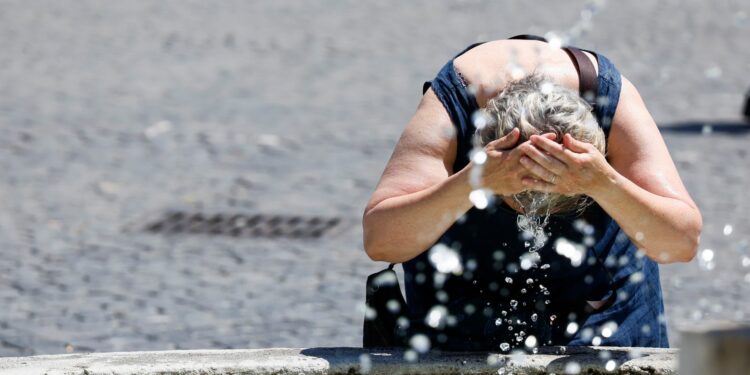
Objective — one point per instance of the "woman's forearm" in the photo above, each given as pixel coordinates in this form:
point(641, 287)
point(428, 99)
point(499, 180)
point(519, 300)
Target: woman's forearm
point(400, 228)
point(666, 229)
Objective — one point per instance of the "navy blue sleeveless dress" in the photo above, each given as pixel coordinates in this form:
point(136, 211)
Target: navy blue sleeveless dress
point(497, 301)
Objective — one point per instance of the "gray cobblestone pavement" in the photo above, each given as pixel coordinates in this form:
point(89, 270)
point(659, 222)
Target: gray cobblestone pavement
point(114, 112)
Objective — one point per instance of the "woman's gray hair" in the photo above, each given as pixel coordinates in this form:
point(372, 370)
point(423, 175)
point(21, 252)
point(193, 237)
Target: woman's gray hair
point(536, 105)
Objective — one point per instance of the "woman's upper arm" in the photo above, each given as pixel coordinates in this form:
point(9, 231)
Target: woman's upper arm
point(637, 150)
point(424, 154)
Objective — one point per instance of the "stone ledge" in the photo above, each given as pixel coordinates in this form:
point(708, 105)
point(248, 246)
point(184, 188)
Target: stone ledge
point(344, 361)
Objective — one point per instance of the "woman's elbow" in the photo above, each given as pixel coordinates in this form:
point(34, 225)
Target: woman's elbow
point(373, 250)
point(372, 241)
point(693, 238)
point(688, 247)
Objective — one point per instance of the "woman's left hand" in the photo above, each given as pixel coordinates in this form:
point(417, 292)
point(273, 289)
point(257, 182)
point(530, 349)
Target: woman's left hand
point(571, 168)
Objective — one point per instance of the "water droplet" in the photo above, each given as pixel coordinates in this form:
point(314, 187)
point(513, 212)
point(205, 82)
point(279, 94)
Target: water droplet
point(505, 346)
point(513, 303)
point(572, 368)
point(504, 313)
point(554, 41)
point(523, 290)
point(552, 318)
point(745, 261)
point(410, 355)
point(529, 260)
point(572, 328)
point(706, 259)
point(365, 363)
point(530, 342)
point(436, 317)
point(498, 321)
point(534, 317)
point(517, 73)
point(479, 157)
point(529, 281)
point(469, 309)
point(546, 87)
point(420, 343)
point(596, 341)
point(570, 250)
point(480, 119)
point(370, 313)
point(637, 277)
point(639, 236)
point(445, 259)
point(707, 129)
point(713, 72)
point(393, 306)
point(157, 129)
point(728, 229)
point(509, 280)
point(480, 198)
point(441, 296)
point(545, 266)
point(611, 365)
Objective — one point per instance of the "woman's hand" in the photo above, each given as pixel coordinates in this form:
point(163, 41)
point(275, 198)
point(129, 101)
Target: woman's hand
point(503, 172)
point(573, 167)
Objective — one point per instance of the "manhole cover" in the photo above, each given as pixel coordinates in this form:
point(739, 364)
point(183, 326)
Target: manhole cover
point(242, 225)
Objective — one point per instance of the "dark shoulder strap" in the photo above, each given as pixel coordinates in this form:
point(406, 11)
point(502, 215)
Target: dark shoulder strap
point(468, 48)
point(587, 78)
point(529, 37)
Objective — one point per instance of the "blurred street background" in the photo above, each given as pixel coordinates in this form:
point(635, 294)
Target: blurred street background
point(114, 114)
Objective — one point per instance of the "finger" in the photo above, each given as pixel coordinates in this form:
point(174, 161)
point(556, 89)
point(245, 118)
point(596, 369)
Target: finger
point(546, 160)
point(538, 170)
point(507, 141)
point(574, 144)
point(550, 136)
point(537, 185)
point(553, 148)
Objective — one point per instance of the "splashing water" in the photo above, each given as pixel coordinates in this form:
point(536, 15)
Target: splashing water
point(532, 223)
point(572, 368)
point(436, 317)
point(570, 250)
point(611, 365)
point(365, 363)
point(530, 342)
point(420, 343)
point(706, 259)
point(572, 328)
point(480, 198)
point(445, 259)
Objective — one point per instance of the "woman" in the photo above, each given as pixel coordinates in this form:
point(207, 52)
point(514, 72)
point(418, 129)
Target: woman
point(592, 278)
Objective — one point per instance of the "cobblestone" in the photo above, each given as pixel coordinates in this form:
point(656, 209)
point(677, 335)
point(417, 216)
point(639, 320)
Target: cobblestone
point(115, 113)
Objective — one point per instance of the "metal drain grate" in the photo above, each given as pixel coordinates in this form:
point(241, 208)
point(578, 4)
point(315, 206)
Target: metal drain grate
point(241, 225)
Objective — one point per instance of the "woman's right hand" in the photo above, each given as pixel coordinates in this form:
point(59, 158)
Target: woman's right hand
point(502, 172)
